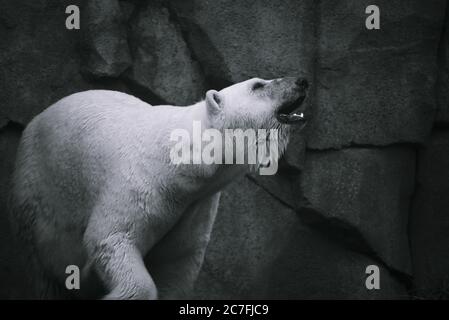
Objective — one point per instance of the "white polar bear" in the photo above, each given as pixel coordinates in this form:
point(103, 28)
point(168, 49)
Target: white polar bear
point(94, 187)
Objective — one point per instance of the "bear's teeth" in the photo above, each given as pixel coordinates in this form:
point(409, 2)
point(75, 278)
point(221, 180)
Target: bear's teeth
point(291, 118)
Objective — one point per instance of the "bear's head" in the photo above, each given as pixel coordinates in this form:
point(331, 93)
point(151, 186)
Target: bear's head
point(256, 104)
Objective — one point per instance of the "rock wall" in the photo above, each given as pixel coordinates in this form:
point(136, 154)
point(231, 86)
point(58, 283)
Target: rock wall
point(366, 184)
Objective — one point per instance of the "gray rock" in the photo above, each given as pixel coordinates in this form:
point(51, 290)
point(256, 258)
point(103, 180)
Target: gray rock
point(104, 39)
point(39, 62)
point(442, 116)
point(364, 195)
point(3, 121)
point(127, 8)
point(282, 186)
point(429, 222)
point(295, 154)
point(376, 86)
point(261, 249)
point(235, 41)
point(9, 277)
point(163, 67)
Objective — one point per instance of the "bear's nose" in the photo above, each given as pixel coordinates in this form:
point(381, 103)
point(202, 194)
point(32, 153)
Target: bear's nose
point(302, 83)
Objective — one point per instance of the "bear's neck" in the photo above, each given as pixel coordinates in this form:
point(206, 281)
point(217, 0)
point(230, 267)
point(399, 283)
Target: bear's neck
point(195, 120)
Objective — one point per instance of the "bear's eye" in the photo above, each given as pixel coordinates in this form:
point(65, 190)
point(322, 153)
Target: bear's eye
point(258, 85)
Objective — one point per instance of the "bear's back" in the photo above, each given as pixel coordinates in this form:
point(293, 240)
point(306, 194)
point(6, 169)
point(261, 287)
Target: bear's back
point(91, 120)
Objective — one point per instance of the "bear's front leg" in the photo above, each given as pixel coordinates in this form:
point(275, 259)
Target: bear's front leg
point(176, 260)
point(119, 264)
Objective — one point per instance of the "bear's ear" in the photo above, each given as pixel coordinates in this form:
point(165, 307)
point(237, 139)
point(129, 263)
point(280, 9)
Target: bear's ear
point(214, 102)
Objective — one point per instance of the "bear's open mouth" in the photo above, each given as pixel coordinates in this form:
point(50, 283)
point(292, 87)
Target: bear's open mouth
point(286, 113)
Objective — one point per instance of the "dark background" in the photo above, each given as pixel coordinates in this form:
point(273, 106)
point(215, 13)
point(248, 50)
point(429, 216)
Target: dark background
point(368, 183)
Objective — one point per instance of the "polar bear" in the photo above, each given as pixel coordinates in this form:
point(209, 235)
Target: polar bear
point(93, 187)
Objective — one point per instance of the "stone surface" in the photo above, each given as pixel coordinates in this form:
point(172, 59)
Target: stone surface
point(235, 41)
point(3, 120)
point(282, 186)
point(261, 249)
point(105, 42)
point(442, 116)
point(429, 223)
point(376, 87)
point(364, 193)
point(296, 150)
point(9, 279)
point(39, 61)
point(163, 68)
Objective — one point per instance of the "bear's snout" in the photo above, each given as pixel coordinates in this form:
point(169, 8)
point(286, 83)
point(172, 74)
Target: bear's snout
point(298, 84)
point(292, 93)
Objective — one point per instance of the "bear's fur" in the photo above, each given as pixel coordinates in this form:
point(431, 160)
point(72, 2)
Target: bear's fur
point(94, 187)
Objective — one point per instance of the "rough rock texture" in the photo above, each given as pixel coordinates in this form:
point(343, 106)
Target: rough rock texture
point(376, 87)
point(9, 138)
point(3, 121)
point(163, 67)
point(105, 39)
point(271, 253)
point(442, 116)
point(366, 193)
point(283, 186)
point(235, 41)
point(39, 63)
point(429, 223)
